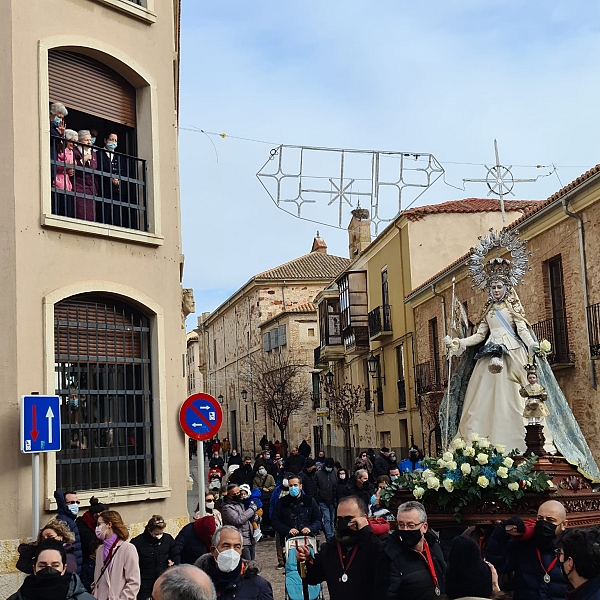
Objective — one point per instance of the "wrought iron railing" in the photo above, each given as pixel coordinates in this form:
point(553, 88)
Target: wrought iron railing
point(593, 314)
point(428, 380)
point(557, 333)
point(380, 320)
point(99, 187)
point(401, 394)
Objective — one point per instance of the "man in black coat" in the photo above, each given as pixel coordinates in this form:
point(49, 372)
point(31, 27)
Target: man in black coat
point(356, 576)
point(360, 486)
point(527, 549)
point(305, 448)
point(68, 507)
point(217, 462)
point(327, 496)
point(413, 566)
point(309, 479)
point(243, 474)
point(382, 463)
point(296, 513)
point(295, 461)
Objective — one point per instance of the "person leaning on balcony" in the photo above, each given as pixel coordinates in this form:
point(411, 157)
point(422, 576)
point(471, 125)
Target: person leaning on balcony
point(111, 187)
point(58, 112)
point(86, 162)
point(63, 174)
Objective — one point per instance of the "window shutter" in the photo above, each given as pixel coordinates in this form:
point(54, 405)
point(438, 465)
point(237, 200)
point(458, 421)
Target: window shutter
point(266, 342)
point(274, 338)
point(87, 85)
point(282, 336)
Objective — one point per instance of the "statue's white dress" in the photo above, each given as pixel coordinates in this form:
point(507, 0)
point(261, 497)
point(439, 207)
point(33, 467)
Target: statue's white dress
point(493, 407)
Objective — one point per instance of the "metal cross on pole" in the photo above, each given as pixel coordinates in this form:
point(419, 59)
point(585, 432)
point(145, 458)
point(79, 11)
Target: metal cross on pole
point(500, 180)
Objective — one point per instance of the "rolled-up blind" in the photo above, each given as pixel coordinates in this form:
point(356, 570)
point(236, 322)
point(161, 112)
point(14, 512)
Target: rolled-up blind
point(87, 85)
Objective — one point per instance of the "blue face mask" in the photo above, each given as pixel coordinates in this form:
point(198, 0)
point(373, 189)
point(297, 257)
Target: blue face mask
point(93, 140)
point(56, 121)
point(329, 469)
point(294, 492)
point(112, 146)
point(373, 499)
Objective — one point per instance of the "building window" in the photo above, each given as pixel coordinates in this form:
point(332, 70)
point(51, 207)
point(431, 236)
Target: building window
point(247, 413)
point(559, 310)
point(401, 378)
point(102, 374)
point(88, 182)
point(434, 350)
point(311, 332)
point(255, 412)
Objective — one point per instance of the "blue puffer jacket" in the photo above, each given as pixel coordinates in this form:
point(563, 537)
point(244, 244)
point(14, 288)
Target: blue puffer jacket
point(508, 554)
point(64, 514)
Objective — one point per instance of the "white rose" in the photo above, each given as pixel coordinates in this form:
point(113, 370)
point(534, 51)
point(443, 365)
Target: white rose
point(483, 481)
point(452, 465)
point(469, 451)
point(433, 483)
point(441, 463)
point(508, 462)
point(513, 487)
point(484, 443)
point(527, 483)
point(500, 448)
point(502, 472)
point(465, 468)
point(448, 484)
point(458, 444)
point(482, 458)
point(427, 473)
point(545, 346)
point(448, 456)
point(474, 438)
point(418, 492)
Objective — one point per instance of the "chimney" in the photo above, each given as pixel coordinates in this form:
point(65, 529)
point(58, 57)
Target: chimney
point(359, 231)
point(319, 245)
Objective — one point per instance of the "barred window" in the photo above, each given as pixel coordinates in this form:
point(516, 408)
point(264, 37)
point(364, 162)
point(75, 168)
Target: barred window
point(102, 374)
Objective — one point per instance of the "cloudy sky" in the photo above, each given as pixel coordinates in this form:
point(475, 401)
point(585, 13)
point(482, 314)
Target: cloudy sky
point(445, 78)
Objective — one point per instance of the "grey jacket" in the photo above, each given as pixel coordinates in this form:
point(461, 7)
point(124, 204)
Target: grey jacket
point(235, 514)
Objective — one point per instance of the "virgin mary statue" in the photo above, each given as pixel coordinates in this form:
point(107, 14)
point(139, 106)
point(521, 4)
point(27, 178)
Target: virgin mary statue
point(483, 394)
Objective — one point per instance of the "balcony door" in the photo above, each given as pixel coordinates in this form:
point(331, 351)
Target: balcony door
point(559, 310)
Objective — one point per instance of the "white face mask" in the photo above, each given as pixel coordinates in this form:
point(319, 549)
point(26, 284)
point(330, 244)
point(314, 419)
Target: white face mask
point(159, 536)
point(210, 505)
point(228, 560)
point(284, 483)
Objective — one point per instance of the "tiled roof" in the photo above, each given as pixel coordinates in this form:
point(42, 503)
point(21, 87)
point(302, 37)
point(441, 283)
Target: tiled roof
point(303, 307)
point(323, 267)
point(537, 206)
point(469, 205)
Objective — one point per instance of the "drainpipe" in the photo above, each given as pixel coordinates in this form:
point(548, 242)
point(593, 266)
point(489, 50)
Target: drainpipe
point(443, 308)
point(586, 299)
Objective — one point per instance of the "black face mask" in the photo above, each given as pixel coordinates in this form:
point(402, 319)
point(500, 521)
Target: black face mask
point(236, 498)
point(48, 572)
point(545, 534)
point(247, 467)
point(410, 537)
point(343, 533)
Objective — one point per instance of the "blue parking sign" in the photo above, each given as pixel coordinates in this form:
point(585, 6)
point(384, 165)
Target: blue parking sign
point(40, 424)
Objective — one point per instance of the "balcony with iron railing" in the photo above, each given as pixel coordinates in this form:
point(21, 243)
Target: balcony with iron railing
point(556, 331)
point(593, 314)
point(428, 379)
point(90, 184)
point(380, 322)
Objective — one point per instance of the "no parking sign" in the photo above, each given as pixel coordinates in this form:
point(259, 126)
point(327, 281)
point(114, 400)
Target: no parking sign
point(200, 417)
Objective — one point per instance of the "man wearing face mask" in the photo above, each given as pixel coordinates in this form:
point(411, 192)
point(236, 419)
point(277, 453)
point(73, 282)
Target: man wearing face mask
point(68, 508)
point(382, 463)
point(350, 561)
point(360, 486)
point(413, 566)
point(412, 463)
point(308, 477)
point(235, 514)
point(232, 576)
point(244, 474)
point(579, 556)
point(296, 513)
point(528, 549)
point(50, 579)
point(279, 492)
point(327, 496)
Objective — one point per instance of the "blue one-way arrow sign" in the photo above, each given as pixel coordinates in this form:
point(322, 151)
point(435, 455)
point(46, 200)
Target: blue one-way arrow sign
point(40, 424)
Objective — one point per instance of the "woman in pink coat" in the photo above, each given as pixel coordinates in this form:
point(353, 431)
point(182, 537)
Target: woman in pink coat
point(117, 574)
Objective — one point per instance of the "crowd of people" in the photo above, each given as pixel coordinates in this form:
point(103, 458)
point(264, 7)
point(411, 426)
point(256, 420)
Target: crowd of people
point(90, 556)
point(90, 180)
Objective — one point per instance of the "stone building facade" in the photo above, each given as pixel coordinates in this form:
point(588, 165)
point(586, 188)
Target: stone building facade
point(232, 333)
point(561, 296)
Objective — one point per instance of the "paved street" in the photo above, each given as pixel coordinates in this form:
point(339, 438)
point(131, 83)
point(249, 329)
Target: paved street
point(266, 555)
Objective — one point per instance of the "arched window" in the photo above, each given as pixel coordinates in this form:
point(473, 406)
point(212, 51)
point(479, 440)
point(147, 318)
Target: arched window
point(102, 373)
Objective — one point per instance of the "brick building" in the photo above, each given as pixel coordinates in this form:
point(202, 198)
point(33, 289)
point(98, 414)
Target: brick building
point(242, 325)
point(561, 296)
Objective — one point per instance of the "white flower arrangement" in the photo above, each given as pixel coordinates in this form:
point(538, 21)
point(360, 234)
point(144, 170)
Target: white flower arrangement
point(482, 458)
point(483, 481)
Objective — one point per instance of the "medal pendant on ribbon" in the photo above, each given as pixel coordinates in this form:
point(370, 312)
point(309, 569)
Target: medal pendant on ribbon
point(547, 578)
point(437, 591)
point(344, 578)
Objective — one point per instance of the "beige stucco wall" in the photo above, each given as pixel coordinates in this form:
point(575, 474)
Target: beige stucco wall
point(41, 265)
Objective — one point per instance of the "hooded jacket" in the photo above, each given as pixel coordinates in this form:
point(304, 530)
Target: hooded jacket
point(194, 539)
point(76, 590)
point(65, 515)
point(244, 583)
point(234, 513)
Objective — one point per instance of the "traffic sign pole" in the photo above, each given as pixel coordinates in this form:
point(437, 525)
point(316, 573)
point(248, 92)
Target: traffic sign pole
point(35, 494)
point(201, 482)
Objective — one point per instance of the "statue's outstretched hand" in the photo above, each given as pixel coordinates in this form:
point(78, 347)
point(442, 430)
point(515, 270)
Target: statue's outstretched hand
point(452, 345)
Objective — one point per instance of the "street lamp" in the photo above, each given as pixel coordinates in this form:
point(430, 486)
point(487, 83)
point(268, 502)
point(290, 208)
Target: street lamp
point(244, 395)
point(329, 379)
point(372, 365)
point(220, 398)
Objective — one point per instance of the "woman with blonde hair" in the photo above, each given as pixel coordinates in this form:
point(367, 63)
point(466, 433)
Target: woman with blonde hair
point(117, 573)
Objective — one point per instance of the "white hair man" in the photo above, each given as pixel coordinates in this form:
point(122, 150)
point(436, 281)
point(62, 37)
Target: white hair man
point(58, 112)
point(184, 582)
point(414, 565)
point(231, 575)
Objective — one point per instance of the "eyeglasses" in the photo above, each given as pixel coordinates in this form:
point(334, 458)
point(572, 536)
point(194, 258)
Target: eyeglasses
point(409, 526)
point(74, 502)
point(157, 522)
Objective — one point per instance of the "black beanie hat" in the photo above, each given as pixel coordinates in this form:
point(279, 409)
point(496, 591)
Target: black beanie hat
point(468, 574)
point(329, 462)
point(308, 463)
